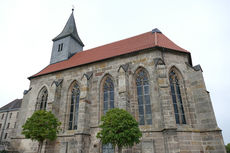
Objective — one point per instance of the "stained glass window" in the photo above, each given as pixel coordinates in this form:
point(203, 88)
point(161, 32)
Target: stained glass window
point(143, 94)
point(108, 95)
point(176, 98)
point(74, 107)
point(42, 99)
point(108, 103)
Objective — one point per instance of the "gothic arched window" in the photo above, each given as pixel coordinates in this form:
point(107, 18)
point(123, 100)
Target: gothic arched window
point(74, 107)
point(176, 98)
point(143, 94)
point(108, 95)
point(42, 99)
point(108, 103)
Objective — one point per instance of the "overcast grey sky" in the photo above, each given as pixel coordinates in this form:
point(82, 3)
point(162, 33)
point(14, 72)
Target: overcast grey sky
point(200, 26)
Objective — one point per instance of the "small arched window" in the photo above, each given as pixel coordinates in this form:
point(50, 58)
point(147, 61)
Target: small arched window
point(176, 98)
point(42, 99)
point(108, 95)
point(143, 94)
point(74, 107)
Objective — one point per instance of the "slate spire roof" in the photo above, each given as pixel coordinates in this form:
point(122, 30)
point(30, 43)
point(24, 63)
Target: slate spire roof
point(151, 39)
point(70, 29)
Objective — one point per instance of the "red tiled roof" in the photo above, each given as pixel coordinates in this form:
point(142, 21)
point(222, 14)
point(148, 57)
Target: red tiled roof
point(133, 44)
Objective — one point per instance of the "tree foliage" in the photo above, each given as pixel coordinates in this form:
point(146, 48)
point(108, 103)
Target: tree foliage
point(228, 148)
point(40, 126)
point(119, 128)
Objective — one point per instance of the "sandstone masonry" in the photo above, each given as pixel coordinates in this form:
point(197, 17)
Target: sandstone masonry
point(200, 134)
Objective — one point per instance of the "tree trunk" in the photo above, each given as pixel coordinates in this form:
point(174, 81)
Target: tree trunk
point(40, 147)
point(119, 149)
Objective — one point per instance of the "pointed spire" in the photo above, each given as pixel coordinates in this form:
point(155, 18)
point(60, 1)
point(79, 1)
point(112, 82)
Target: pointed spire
point(70, 30)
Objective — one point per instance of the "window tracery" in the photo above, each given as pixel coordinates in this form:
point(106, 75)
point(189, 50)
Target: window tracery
point(42, 99)
point(176, 98)
point(108, 103)
point(143, 95)
point(108, 95)
point(74, 107)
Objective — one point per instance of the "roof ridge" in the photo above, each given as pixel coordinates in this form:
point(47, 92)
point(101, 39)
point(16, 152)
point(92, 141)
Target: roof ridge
point(155, 34)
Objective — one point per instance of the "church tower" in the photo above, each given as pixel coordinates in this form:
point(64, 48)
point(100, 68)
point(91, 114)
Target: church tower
point(67, 43)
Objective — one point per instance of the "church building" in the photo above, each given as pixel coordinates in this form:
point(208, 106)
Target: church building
point(148, 75)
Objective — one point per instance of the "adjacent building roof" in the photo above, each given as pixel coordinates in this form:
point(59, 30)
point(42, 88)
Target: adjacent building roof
point(15, 104)
point(70, 30)
point(146, 40)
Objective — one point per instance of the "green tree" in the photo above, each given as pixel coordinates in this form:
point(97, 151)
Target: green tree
point(42, 125)
point(119, 128)
point(228, 148)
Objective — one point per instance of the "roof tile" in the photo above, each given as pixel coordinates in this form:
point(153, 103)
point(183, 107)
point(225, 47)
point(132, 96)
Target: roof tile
point(133, 44)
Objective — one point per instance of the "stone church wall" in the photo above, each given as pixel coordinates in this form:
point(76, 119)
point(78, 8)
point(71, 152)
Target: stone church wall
point(199, 135)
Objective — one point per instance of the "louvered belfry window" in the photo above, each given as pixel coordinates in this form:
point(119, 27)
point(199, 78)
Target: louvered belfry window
point(143, 94)
point(60, 47)
point(176, 98)
point(74, 107)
